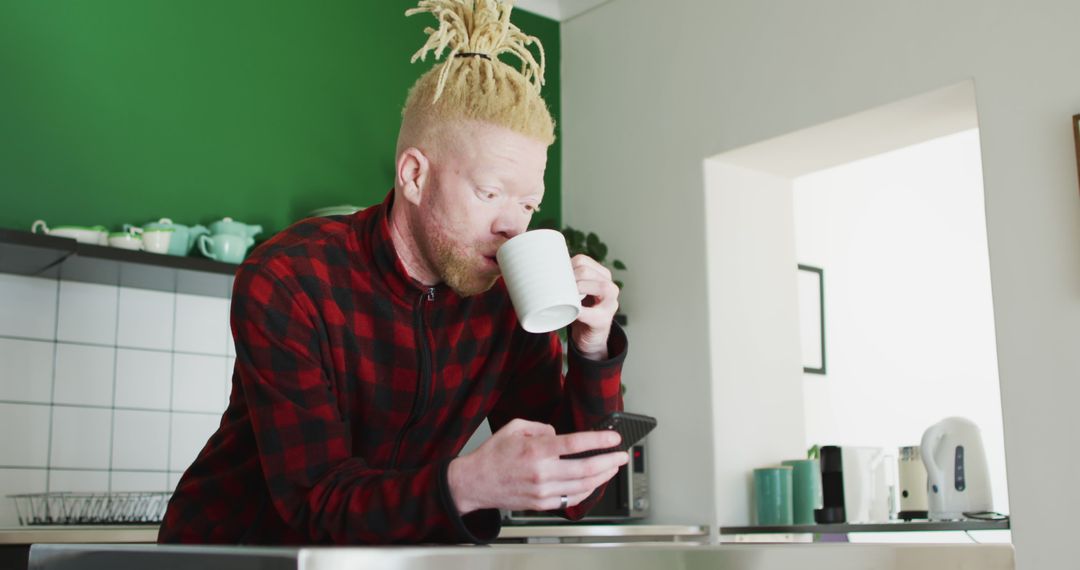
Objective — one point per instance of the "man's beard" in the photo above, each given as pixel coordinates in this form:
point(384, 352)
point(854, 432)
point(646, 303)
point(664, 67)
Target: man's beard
point(458, 271)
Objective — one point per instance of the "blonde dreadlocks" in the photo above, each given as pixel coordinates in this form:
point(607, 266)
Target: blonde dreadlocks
point(472, 83)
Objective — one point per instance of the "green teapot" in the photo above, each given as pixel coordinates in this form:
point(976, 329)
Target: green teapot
point(183, 238)
point(228, 226)
point(228, 248)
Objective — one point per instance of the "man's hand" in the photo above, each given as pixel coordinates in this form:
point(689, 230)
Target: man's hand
point(591, 329)
point(519, 468)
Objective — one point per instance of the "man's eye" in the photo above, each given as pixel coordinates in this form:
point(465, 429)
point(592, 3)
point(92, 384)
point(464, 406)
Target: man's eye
point(532, 209)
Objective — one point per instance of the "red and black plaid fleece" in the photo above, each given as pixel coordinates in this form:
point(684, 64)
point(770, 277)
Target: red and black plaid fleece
point(355, 386)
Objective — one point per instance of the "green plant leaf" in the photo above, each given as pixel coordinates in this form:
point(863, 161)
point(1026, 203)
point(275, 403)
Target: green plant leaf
point(619, 264)
point(595, 248)
point(598, 252)
point(618, 283)
point(575, 240)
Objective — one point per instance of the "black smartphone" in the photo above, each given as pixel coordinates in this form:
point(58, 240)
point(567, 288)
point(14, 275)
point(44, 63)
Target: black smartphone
point(632, 427)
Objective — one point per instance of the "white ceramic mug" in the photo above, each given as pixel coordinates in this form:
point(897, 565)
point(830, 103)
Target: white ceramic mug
point(536, 268)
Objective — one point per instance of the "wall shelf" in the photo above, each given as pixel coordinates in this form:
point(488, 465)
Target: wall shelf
point(37, 255)
point(845, 528)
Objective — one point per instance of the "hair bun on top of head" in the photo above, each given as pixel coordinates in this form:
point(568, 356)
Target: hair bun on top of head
point(473, 83)
point(478, 30)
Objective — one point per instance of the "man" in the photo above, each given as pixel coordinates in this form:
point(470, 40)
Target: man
point(370, 347)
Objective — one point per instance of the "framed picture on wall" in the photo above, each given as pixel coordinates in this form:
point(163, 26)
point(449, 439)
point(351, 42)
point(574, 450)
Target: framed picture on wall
point(812, 318)
point(1076, 140)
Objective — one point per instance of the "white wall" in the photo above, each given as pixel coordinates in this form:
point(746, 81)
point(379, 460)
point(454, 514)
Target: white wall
point(909, 315)
point(651, 89)
point(757, 399)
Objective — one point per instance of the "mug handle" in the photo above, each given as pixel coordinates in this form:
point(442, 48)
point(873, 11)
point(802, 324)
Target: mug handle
point(203, 240)
point(39, 224)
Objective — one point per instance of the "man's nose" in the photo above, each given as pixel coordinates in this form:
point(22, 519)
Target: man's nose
point(509, 224)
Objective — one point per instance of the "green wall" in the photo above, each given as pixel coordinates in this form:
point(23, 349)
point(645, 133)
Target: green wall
point(116, 111)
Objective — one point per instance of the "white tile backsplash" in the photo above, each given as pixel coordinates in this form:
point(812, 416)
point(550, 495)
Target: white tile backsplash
point(143, 378)
point(139, 481)
point(27, 306)
point(14, 481)
point(189, 434)
point(80, 437)
point(84, 374)
point(140, 440)
point(26, 370)
point(121, 366)
point(145, 319)
point(78, 481)
point(24, 435)
point(87, 313)
point(201, 323)
point(198, 383)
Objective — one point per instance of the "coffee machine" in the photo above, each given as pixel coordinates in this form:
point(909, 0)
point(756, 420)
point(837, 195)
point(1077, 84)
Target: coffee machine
point(858, 485)
point(832, 487)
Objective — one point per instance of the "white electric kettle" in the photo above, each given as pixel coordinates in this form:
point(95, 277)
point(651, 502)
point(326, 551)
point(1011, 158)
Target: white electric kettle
point(958, 478)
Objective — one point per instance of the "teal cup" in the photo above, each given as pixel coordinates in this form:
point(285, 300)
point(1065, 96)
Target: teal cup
point(772, 496)
point(225, 247)
point(806, 488)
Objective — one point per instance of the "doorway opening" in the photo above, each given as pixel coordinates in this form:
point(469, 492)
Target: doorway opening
point(886, 208)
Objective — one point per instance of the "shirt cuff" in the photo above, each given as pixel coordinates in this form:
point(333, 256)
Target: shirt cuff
point(617, 345)
point(478, 527)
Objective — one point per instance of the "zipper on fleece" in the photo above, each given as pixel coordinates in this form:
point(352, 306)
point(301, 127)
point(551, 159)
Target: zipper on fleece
point(424, 382)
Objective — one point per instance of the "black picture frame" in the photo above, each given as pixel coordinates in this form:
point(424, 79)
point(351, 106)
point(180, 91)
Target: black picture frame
point(820, 273)
point(1076, 140)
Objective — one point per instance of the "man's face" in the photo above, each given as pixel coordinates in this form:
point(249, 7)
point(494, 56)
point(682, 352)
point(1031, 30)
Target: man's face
point(486, 183)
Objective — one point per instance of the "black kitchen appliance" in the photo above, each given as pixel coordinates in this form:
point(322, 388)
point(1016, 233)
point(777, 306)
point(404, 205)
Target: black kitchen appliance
point(832, 487)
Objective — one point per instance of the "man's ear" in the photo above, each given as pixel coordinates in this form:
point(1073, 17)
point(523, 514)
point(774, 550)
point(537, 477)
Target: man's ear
point(413, 170)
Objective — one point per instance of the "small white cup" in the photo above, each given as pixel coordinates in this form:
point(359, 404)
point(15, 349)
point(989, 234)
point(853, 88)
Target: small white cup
point(536, 268)
point(157, 241)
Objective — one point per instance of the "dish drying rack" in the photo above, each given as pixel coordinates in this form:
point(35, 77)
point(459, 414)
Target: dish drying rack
point(61, 508)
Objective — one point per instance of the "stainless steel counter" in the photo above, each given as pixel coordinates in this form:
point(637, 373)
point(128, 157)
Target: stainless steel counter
point(577, 533)
point(527, 557)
